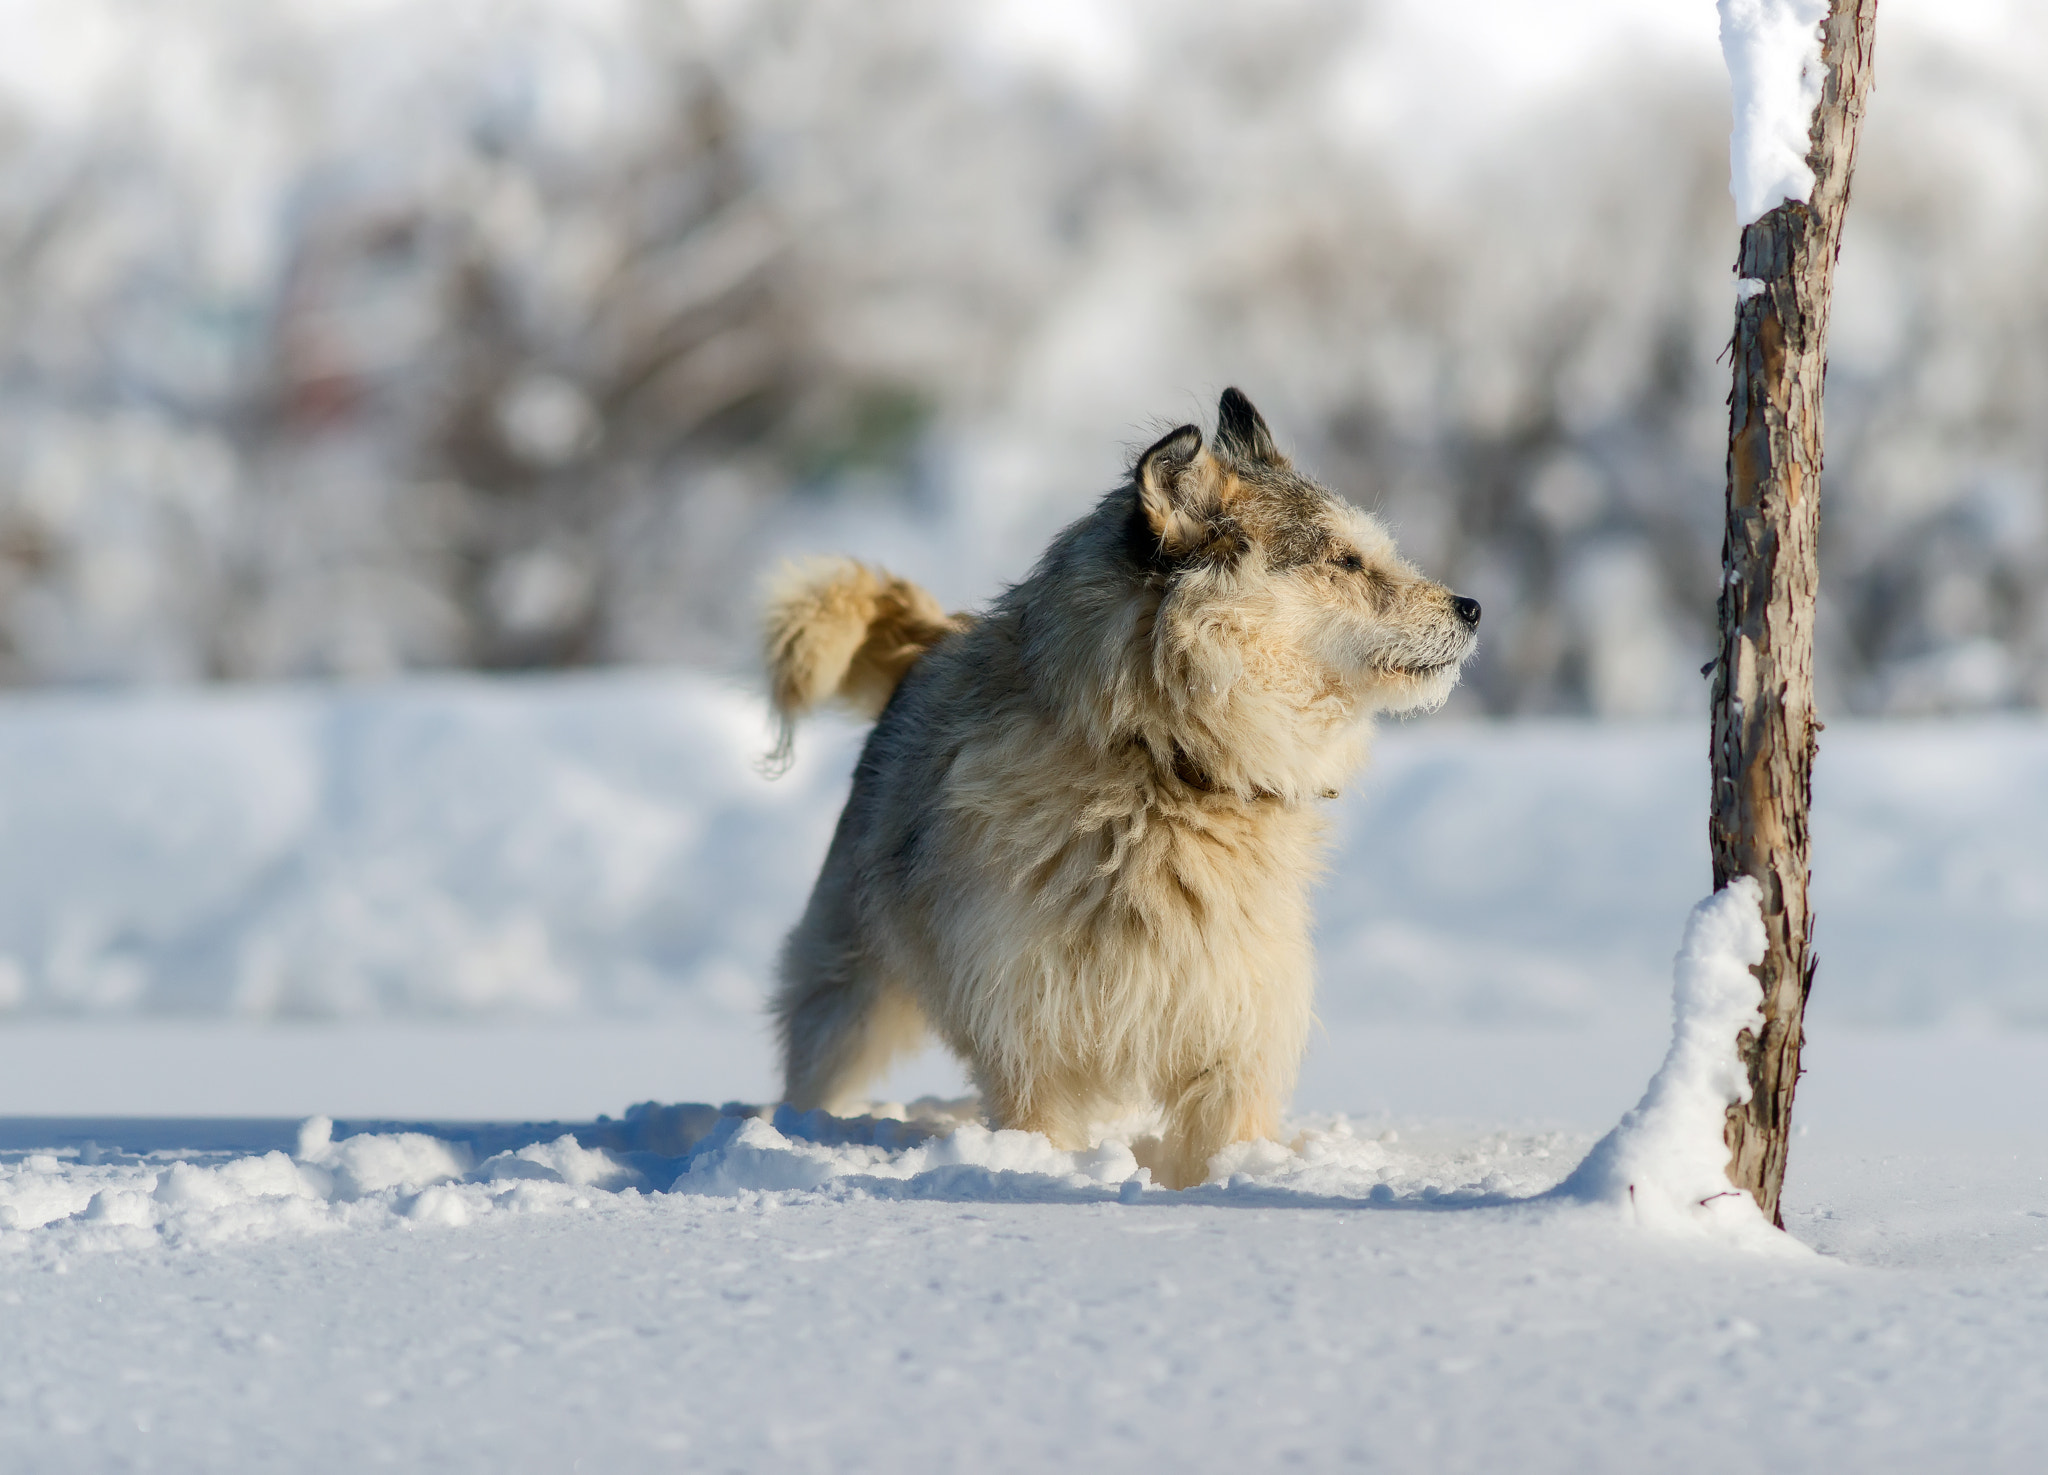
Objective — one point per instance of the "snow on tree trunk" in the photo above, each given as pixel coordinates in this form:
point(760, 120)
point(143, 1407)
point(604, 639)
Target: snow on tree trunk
point(1665, 1165)
point(1794, 75)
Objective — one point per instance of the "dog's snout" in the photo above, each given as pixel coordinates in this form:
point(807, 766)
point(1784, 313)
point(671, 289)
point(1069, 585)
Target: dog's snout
point(1467, 609)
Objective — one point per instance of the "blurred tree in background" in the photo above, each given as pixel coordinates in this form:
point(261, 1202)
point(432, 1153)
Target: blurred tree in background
point(355, 338)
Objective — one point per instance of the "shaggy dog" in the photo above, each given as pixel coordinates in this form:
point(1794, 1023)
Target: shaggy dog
point(1082, 832)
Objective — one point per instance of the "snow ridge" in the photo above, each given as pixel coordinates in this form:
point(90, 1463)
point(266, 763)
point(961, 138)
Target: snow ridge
point(1775, 73)
point(54, 1205)
point(1666, 1164)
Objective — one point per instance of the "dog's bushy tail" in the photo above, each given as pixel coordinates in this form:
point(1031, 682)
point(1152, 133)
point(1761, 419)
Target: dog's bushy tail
point(839, 629)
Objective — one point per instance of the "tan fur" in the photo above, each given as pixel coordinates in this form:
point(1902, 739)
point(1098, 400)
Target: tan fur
point(1080, 838)
point(839, 629)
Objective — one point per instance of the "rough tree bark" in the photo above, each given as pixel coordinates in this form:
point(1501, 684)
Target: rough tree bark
point(1763, 721)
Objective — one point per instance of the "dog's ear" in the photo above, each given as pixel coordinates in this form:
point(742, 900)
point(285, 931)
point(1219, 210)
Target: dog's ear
point(1241, 432)
point(1180, 487)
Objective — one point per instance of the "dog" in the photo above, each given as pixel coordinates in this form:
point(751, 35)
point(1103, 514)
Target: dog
point(1081, 834)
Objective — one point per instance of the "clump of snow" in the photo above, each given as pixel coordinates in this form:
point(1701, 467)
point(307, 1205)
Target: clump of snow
point(749, 1154)
point(1666, 1164)
point(362, 1167)
point(67, 1204)
point(1775, 74)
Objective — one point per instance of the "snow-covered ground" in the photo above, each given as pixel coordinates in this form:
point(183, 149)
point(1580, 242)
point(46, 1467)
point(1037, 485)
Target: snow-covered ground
point(292, 975)
point(1378, 1298)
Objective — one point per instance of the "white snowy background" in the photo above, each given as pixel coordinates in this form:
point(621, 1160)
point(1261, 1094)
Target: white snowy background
point(362, 336)
point(383, 1078)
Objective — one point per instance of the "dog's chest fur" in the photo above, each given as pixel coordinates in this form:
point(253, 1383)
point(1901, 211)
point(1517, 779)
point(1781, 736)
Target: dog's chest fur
point(1125, 912)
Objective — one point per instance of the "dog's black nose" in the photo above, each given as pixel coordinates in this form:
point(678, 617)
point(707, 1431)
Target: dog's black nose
point(1468, 609)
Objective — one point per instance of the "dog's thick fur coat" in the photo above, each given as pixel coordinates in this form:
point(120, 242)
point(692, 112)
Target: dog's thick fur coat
point(1082, 832)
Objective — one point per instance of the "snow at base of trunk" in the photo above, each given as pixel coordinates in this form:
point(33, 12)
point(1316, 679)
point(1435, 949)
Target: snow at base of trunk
point(1665, 1165)
point(1775, 74)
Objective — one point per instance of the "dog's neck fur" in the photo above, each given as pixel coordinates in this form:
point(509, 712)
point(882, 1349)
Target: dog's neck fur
point(1190, 774)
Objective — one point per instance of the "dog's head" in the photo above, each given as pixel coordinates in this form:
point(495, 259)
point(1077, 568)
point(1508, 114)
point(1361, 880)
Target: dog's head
point(1308, 591)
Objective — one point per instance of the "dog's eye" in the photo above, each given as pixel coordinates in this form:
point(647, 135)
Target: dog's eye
point(1351, 563)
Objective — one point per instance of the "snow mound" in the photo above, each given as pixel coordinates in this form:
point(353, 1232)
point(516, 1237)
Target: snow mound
point(1666, 1164)
point(54, 1205)
point(1775, 74)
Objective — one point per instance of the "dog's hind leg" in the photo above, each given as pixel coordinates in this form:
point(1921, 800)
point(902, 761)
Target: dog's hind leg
point(839, 1017)
point(840, 1024)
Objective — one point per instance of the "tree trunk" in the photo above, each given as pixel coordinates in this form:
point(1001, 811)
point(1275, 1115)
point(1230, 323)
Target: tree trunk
point(1763, 723)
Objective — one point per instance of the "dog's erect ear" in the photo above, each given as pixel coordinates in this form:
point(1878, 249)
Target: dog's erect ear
point(1241, 432)
point(1180, 486)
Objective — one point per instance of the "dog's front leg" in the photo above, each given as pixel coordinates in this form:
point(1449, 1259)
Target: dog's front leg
point(1229, 1101)
point(1031, 1105)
